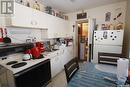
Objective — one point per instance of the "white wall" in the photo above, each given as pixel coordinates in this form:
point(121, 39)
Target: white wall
point(19, 35)
point(99, 14)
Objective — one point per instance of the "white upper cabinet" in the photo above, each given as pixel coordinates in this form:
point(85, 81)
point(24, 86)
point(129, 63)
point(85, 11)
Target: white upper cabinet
point(58, 27)
point(21, 17)
point(31, 18)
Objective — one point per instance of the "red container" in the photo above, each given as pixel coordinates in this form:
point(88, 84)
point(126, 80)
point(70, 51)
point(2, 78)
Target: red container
point(28, 51)
point(40, 46)
point(35, 53)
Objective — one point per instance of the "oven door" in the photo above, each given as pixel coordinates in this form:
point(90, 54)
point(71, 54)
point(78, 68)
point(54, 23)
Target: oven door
point(36, 76)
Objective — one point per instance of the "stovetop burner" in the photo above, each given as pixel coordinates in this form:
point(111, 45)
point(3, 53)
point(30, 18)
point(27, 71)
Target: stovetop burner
point(11, 62)
point(19, 65)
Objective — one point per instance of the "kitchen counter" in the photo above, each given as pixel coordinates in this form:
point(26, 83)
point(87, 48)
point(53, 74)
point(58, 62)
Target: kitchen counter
point(30, 63)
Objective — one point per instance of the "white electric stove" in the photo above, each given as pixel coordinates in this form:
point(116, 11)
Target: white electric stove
point(15, 63)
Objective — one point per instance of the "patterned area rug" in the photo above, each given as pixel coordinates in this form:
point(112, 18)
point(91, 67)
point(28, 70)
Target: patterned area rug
point(89, 76)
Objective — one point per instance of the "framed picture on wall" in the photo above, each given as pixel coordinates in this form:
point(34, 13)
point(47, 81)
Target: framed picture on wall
point(81, 15)
point(108, 16)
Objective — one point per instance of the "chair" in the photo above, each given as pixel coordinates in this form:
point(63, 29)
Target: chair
point(70, 68)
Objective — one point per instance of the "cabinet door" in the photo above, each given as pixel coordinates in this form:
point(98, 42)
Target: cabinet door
point(57, 27)
point(70, 50)
point(55, 66)
point(63, 27)
point(21, 19)
point(52, 23)
point(63, 58)
point(68, 54)
point(39, 19)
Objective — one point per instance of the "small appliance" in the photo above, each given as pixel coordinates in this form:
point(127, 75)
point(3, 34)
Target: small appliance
point(36, 53)
point(40, 46)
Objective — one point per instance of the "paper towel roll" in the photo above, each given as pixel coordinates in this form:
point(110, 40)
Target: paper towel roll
point(122, 68)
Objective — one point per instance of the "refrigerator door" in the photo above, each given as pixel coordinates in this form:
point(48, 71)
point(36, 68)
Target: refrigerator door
point(109, 37)
point(105, 49)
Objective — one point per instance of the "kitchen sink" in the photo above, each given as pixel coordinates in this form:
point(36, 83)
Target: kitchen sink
point(52, 50)
point(55, 49)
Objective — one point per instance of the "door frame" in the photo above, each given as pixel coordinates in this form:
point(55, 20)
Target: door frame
point(76, 35)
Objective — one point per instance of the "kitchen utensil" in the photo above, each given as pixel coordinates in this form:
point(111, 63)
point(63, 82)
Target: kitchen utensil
point(6, 39)
point(35, 53)
point(26, 57)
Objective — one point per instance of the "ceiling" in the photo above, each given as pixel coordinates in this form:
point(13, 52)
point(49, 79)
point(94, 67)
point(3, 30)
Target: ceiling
point(69, 6)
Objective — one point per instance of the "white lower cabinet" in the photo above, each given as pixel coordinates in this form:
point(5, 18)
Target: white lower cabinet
point(59, 59)
point(56, 65)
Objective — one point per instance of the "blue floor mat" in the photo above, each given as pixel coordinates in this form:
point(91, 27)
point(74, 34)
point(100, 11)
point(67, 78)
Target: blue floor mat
point(89, 76)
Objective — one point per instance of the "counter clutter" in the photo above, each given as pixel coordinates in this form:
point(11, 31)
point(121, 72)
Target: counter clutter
point(19, 58)
point(24, 66)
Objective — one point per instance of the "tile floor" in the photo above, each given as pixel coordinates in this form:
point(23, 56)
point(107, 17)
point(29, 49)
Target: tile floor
point(106, 68)
point(58, 81)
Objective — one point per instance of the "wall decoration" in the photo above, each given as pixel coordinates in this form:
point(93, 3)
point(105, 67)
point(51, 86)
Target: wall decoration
point(48, 9)
point(106, 26)
point(120, 26)
point(105, 34)
point(81, 15)
point(108, 16)
point(36, 6)
point(118, 14)
point(28, 4)
point(103, 27)
point(20, 2)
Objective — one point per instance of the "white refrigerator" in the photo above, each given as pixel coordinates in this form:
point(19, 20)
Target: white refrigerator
point(107, 41)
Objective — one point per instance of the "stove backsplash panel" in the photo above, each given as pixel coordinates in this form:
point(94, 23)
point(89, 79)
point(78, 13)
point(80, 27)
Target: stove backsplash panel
point(17, 48)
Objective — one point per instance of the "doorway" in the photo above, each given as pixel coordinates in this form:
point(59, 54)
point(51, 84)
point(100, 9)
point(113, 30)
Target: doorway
point(82, 40)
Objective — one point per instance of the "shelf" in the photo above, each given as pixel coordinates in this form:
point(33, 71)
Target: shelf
point(65, 17)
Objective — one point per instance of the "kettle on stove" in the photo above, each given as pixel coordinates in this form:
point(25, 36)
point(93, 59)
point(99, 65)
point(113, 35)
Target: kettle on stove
point(36, 53)
point(26, 57)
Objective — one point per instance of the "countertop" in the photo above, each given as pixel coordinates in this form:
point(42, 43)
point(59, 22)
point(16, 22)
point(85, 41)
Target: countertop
point(30, 63)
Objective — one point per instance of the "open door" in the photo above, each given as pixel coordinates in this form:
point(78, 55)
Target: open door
point(83, 45)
